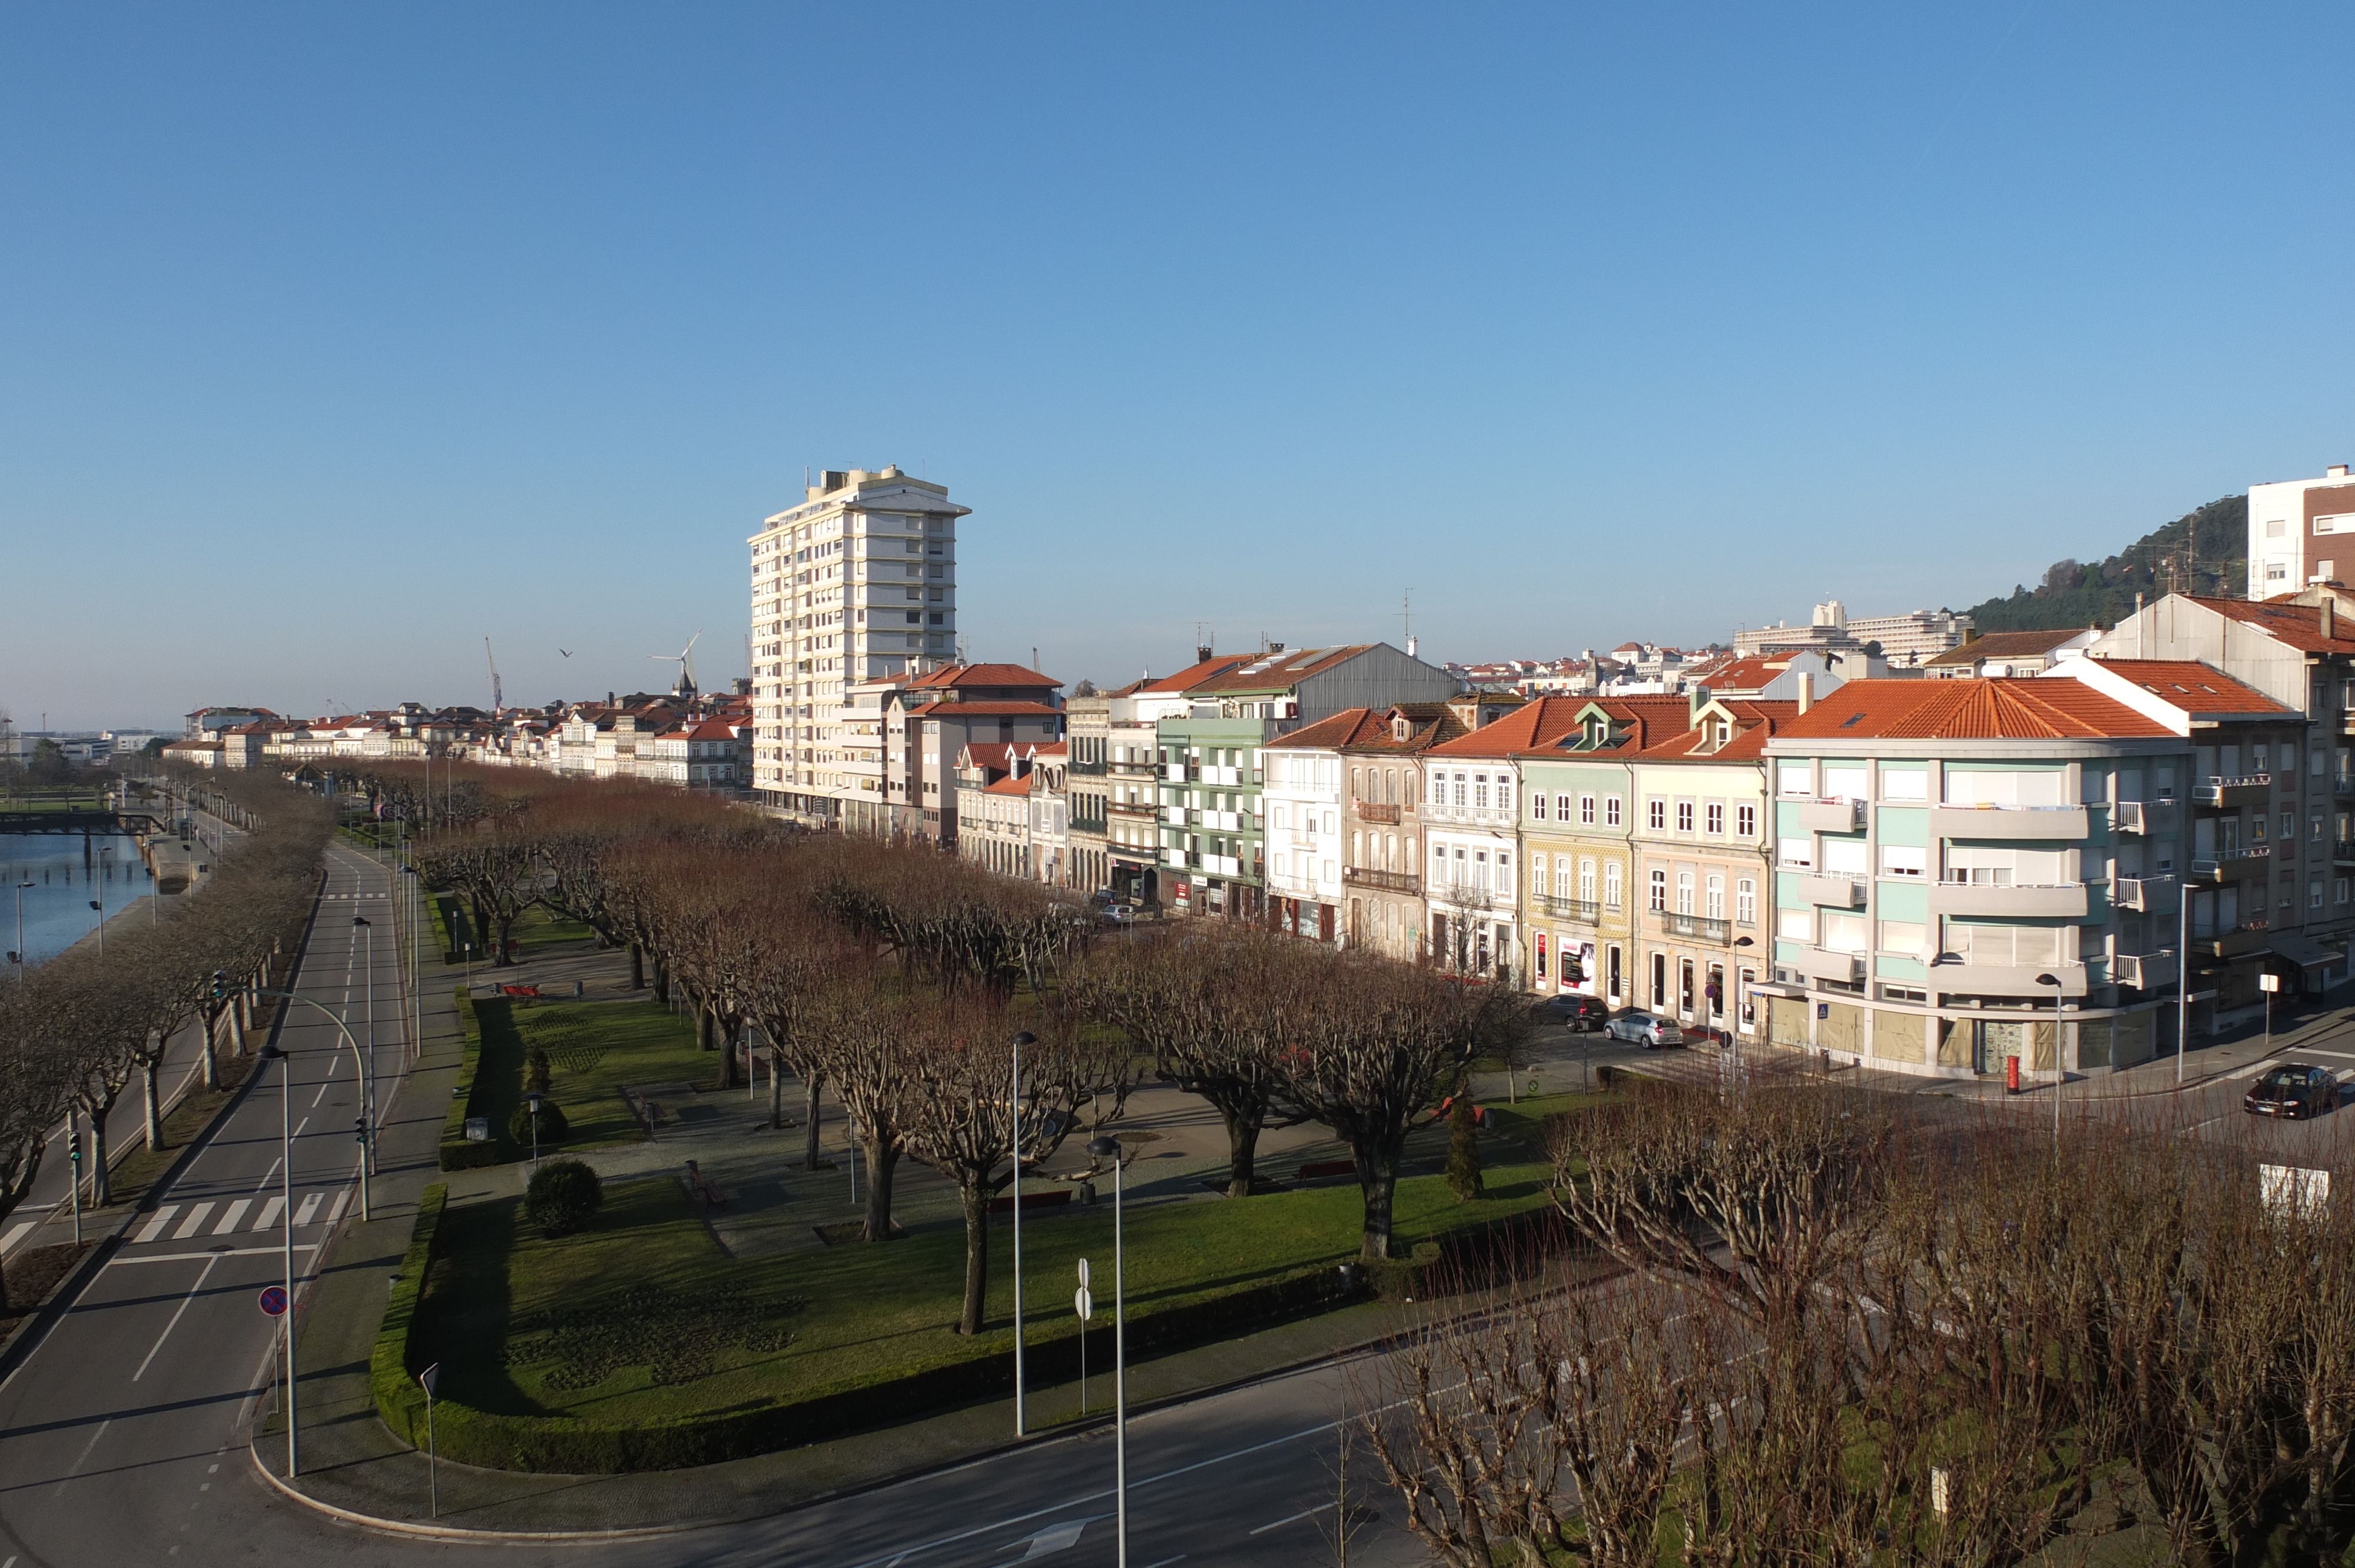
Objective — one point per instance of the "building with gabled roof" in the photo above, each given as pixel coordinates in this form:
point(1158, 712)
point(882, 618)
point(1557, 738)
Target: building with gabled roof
point(2008, 653)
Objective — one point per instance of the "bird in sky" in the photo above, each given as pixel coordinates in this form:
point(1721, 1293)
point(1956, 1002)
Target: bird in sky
point(566, 651)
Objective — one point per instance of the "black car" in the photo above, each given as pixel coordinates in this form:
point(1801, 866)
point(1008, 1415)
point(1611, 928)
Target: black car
point(2294, 1089)
point(1585, 1013)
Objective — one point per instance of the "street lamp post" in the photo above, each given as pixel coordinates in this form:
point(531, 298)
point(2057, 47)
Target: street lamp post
point(367, 1084)
point(286, 1191)
point(367, 1110)
point(1101, 1149)
point(2059, 1068)
point(19, 956)
point(1015, 1139)
point(2182, 970)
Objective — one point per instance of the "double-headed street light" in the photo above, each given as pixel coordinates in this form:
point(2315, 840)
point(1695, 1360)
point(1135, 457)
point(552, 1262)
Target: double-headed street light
point(1015, 1139)
point(368, 1111)
point(1108, 1149)
point(286, 1193)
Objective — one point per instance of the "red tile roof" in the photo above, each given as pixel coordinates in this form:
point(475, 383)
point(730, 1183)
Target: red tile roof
point(984, 710)
point(1534, 723)
point(2192, 687)
point(1743, 674)
point(1279, 671)
point(949, 675)
point(990, 755)
point(2003, 645)
point(1756, 722)
point(2297, 625)
point(2001, 709)
point(1009, 785)
point(1350, 727)
point(1191, 676)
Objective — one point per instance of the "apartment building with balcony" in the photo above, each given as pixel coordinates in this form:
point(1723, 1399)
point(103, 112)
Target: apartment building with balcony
point(1471, 809)
point(1048, 772)
point(2299, 533)
point(1304, 801)
point(857, 583)
point(1948, 872)
point(1578, 905)
point(935, 715)
point(1699, 846)
point(1115, 760)
point(993, 807)
point(1087, 735)
point(2298, 650)
point(1213, 844)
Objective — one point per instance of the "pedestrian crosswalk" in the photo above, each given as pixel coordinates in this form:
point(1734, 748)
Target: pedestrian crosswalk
point(178, 1221)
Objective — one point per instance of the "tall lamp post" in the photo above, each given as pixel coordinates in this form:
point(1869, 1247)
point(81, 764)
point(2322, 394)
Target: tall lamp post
point(1108, 1149)
point(286, 1190)
point(368, 1109)
point(2059, 1070)
point(367, 1085)
point(2182, 970)
point(1015, 1139)
point(1740, 1000)
point(18, 957)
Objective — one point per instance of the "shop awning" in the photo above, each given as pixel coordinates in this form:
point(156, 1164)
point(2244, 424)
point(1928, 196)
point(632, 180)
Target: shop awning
point(2304, 951)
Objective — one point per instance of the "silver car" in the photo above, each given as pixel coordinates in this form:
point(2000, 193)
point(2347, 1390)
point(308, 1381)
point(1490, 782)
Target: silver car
point(1645, 1029)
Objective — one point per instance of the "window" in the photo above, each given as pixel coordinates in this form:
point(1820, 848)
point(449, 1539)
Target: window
point(1610, 811)
point(2338, 891)
point(1796, 925)
point(1537, 872)
point(1715, 906)
point(1844, 933)
point(1561, 875)
point(1459, 788)
point(1745, 822)
point(1902, 993)
point(1911, 784)
point(1659, 890)
point(1656, 812)
point(1745, 902)
point(1845, 783)
point(1505, 873)
point(2289, 826)
point(1903, 859)
point(1538, 807)
point(1905, 939)
point(1845, 856)
point(1505, 792)
point(1715, 816)
point(1479, 790)
point(1684, 892)
point(1586, 808)
point(1586, 882)
point(1800, 853)
point(1796, 779)
point(2314, 893)
point(1684, 816)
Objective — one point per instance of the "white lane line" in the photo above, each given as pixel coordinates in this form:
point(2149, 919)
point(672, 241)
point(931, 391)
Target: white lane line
point(86, 1448)
point(15, 1233)
point(268, 1176)
point(235, 1212)
point(195, 1218)
point(299, 1126)
point(155, 1231)
point(269, 1212)
point(342, 1199)
point(210, 1258)
point(310, 1207)
point(271, 1251)
point(1293, 1519)
point(1163, 1563)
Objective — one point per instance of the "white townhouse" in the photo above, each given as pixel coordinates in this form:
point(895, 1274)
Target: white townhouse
point(1302, 800)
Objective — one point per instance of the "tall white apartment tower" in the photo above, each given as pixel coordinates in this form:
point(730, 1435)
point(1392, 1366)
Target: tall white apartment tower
point(851, 589)
point(2296, 528)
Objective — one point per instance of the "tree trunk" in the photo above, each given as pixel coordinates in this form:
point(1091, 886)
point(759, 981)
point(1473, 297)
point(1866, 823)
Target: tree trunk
point(662, 982)
point(151, 1107)
point(102, 1189)
point(976, 1256)
point(811, 1088)
point(506, 930)
point(882, 1159)
point(776, 1092)
point(240, 1019)
point(212, 1047)
point(1378, 1180)
point(637, 968)
point(1242, 1150)
point(727, 1034)
point(703, 1028)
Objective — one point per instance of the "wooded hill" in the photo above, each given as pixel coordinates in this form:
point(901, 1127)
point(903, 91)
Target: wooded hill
point(2202, 551)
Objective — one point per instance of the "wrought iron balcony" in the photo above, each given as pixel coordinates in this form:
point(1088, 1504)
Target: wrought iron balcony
point(1370, 813)
point(1586, 911)
point(1387, 881)
point(1695, 927)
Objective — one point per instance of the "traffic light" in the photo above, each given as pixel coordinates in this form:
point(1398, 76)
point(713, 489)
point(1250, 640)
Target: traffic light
point(359, 1127)
point(220, 985)
point(74, 1152)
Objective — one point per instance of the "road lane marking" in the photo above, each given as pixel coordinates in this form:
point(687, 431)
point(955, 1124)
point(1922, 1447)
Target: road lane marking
point(15, 1233)
point(235, 1212)
point(86, 1448)
point(155, 1231)
point(310, 1207)
point(269, 1212)
point(336, 1214)
point(1292, 1519)
point(1163, 1563)
point(274, 1250)
point(210, 1258)
point(188, 1226)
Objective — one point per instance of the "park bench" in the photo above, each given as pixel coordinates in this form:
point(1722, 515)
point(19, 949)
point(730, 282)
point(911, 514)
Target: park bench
point(700, 1188)
point(1315, 1168)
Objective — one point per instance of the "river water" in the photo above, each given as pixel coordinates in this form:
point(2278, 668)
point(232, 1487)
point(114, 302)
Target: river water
point(67, 872)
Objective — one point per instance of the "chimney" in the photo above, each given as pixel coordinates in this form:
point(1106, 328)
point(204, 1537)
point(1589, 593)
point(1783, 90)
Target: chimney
point(1970, 636)
point(1202, 655)
point(2336, 470)
point(1807, 691)
point(2328, 617)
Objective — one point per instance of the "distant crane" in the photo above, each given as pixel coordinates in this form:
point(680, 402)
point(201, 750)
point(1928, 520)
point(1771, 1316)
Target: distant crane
point(498, 699)
point(685, 660)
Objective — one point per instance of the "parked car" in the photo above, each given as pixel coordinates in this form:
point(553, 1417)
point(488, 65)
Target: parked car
point(2294, 1089)
point(1645, 1029)
point(1584, 1013)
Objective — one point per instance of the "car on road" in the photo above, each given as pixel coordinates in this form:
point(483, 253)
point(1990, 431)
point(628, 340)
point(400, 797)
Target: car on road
point(1584, 1013)
point(2294, 1090)
point(1645, 1029)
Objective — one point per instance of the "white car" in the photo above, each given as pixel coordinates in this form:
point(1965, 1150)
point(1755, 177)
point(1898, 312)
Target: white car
point(1645, 1029)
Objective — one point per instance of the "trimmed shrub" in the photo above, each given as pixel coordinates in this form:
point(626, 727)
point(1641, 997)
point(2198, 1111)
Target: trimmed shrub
point(536, 1070)
point(1464, 1177)
point(563, 1195)
point(552, 1125)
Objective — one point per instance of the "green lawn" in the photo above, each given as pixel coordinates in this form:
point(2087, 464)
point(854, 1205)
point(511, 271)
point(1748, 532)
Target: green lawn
point(594, 1048)
point(642, 1317)
point(542, 927)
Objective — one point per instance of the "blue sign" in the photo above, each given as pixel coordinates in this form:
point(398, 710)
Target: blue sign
point(274, 1300)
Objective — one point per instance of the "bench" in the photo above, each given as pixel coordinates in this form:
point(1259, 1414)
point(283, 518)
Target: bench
point(1005, 1204)
point(1315, 1168)
point(700, 1188)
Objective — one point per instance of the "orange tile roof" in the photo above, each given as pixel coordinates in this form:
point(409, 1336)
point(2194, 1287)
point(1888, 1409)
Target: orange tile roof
point(1191, 676)
point(1541, 722)
point(1757, 722)
point(2003, 645)
point(980, 675)
point(2002, 709)
point(2192, 687)
point(1744, 674)
point(991, 756)
point(2297, 625)
point(1350, 727)
point(984, 710)
point(1011, 784)
point(1279, 671)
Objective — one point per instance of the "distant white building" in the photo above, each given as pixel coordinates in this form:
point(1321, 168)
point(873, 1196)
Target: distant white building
point(2301, 531)
point(1905, 639)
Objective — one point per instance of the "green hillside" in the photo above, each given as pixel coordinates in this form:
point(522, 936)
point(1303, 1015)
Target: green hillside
point(2077, 593)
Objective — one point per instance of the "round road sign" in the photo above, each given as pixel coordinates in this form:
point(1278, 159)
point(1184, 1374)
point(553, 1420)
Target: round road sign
point(274, 1300)
point(1083, 1303)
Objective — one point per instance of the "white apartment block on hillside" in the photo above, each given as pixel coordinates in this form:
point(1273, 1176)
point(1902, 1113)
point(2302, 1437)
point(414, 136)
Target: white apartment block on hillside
point(2296, 528)
point(855, 585)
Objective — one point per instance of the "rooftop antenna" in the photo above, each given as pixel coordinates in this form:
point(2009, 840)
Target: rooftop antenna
point(498, 700)
point(685, 660)
point(1406, 619)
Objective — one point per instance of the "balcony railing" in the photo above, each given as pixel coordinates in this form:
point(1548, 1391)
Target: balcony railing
point(2230, 862)
point(2343, 851)
point(2248, 789)
point(1387, 881)
point(1838, 815)
point(2147, 894)
point(1370, 813)
point(2145, 817)
point(1586, 911)
point(1695, 927)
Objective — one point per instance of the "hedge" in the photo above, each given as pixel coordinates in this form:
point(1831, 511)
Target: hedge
point(486, 1080)
point(570, 1445)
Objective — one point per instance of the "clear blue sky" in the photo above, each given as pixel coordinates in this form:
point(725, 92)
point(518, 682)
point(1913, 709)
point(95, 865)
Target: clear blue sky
point(336, 337)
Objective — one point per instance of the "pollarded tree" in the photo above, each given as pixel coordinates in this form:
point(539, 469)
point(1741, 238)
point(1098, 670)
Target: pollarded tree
point(861, 1030)
point(961, 1117)
point(492, 863)
point(37, 1078)
point(800, 957)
